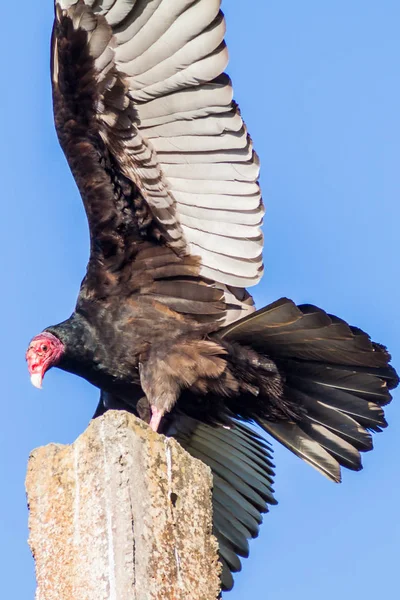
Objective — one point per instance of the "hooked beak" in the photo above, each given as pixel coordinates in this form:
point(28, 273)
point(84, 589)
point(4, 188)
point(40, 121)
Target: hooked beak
point(36, 380)
point(36, 368)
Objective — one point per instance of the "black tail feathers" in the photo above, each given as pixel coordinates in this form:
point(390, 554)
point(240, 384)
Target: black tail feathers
point(332, 372)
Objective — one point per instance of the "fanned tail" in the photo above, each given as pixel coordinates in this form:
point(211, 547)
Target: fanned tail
point(333, 372)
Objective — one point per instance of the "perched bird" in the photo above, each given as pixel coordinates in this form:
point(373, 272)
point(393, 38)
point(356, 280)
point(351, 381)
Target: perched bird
point(163, 325)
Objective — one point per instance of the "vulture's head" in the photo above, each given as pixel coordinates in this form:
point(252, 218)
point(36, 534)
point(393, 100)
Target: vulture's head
point(44, 351)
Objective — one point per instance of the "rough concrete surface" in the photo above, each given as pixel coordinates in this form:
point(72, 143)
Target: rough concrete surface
point(121, 514)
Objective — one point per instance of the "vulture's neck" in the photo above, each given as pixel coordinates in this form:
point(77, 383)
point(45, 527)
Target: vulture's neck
point(81, 354)
point(87, 355)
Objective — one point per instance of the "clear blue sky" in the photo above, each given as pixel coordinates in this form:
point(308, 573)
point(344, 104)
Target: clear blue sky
point(318, 84)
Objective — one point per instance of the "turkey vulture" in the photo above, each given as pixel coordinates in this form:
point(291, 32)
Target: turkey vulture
point(163, 325)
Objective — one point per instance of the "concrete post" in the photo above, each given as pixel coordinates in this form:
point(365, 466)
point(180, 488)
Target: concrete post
point(121, 514)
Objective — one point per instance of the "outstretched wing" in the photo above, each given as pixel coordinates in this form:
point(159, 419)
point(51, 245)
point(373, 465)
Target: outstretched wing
point(157, 146)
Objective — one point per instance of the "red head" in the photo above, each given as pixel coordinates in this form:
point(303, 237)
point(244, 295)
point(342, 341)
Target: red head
point(45, 351)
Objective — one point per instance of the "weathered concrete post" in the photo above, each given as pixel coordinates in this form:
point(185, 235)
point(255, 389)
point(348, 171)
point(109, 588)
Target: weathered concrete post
point(121, 514)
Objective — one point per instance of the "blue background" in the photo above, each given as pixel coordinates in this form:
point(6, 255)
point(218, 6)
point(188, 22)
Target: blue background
point(318, 85)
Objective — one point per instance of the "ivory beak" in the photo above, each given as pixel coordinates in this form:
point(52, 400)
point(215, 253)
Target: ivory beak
point(36, 380)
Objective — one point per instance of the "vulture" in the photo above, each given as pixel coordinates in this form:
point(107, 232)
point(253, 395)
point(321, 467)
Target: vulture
point(164, 325)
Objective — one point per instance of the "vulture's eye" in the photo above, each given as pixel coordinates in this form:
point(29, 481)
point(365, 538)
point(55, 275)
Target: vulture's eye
point(44, 347)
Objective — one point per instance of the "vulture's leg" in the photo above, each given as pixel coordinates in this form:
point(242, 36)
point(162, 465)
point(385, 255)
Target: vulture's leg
point(156, 416)
point(178, 365)
point(161, 389)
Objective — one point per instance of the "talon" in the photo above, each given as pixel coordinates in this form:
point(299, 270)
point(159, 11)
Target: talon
point(156, 416)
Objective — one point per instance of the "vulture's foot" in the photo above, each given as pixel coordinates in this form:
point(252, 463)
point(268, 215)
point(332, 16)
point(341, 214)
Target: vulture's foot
point(156, 416)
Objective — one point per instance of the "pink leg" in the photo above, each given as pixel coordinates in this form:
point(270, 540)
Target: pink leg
point(156, 416)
